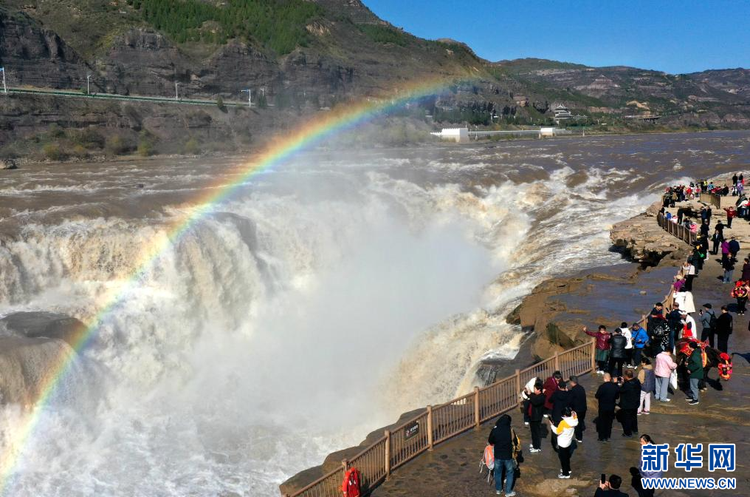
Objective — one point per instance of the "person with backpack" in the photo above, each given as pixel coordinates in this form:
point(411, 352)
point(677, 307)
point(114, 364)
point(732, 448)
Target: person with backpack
point(536, 414)
point(640, 341)
point(502, 438)
point(662, 371)
point(565, 431)
point(648, 385)
point(695, 366)
point(602, 347)
point(708, 322)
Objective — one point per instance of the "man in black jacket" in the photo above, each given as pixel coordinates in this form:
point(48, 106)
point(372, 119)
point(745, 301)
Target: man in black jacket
point(675, 324)
point(536, 412)
point(617, 354)
point(655, 316)
point(607, 395)
point(723, 329)
point(501, 437)
point(630, 399)
point(578, 404)
point(560, 400)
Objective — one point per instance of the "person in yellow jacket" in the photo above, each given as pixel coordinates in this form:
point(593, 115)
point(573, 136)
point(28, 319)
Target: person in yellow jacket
point(565, 443)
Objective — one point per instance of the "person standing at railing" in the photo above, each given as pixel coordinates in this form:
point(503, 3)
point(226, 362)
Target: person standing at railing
point(536, 414)
point(674, 318)
point(551, 386)
point(528, 389)
point(602, 348)
point(688, 270)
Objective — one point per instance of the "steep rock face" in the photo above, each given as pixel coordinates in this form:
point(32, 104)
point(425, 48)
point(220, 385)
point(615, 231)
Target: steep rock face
point(24, 367)
point(36, 56)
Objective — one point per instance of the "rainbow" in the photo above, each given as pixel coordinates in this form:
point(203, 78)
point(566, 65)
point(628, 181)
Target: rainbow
point(323, 126)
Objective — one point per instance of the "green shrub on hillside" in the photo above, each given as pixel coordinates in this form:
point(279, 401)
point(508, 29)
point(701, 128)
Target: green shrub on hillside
point(53, 151)
point(279, 25)
point(115, 145)
point(192, 147)
point(88, 138)
point(384, 34)
point(145, 148)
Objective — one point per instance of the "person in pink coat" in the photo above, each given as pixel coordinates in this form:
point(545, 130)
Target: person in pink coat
point(662, 371)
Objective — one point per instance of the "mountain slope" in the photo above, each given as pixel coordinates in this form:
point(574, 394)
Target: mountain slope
point(305, 55)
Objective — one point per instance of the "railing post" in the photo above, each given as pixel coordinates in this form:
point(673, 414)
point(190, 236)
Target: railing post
point(345, 464)
point(477, 417)
point(387, 454)
point(518, 384)
point(557, 361)
point(430, 441)
point(593, 355)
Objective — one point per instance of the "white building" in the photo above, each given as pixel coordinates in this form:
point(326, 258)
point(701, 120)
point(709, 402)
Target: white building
point(458, 135)
point(562, 113)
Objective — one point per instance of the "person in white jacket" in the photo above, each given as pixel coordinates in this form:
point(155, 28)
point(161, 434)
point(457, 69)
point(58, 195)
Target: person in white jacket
point(565, 444)
point(625, 330)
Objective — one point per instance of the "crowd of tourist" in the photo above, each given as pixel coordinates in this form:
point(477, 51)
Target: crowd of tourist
point(639, 363)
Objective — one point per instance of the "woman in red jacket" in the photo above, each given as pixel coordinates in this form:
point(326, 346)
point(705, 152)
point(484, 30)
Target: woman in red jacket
point(602, 347)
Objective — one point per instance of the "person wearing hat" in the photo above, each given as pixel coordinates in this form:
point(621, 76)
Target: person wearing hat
point(688, 321)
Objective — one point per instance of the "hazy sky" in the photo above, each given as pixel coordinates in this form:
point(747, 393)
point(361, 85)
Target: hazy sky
point(676, 36)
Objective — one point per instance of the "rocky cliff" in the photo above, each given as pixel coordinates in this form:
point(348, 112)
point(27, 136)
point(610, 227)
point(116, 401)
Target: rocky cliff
point(306, 58)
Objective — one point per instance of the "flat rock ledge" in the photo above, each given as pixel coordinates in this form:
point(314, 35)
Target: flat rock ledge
point(642, 240)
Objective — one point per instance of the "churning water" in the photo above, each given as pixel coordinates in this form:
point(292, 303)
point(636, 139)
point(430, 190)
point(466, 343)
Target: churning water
point(319, 303)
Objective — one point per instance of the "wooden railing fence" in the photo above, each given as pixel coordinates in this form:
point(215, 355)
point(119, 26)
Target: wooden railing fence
point(677, 230)
point(437, 424)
